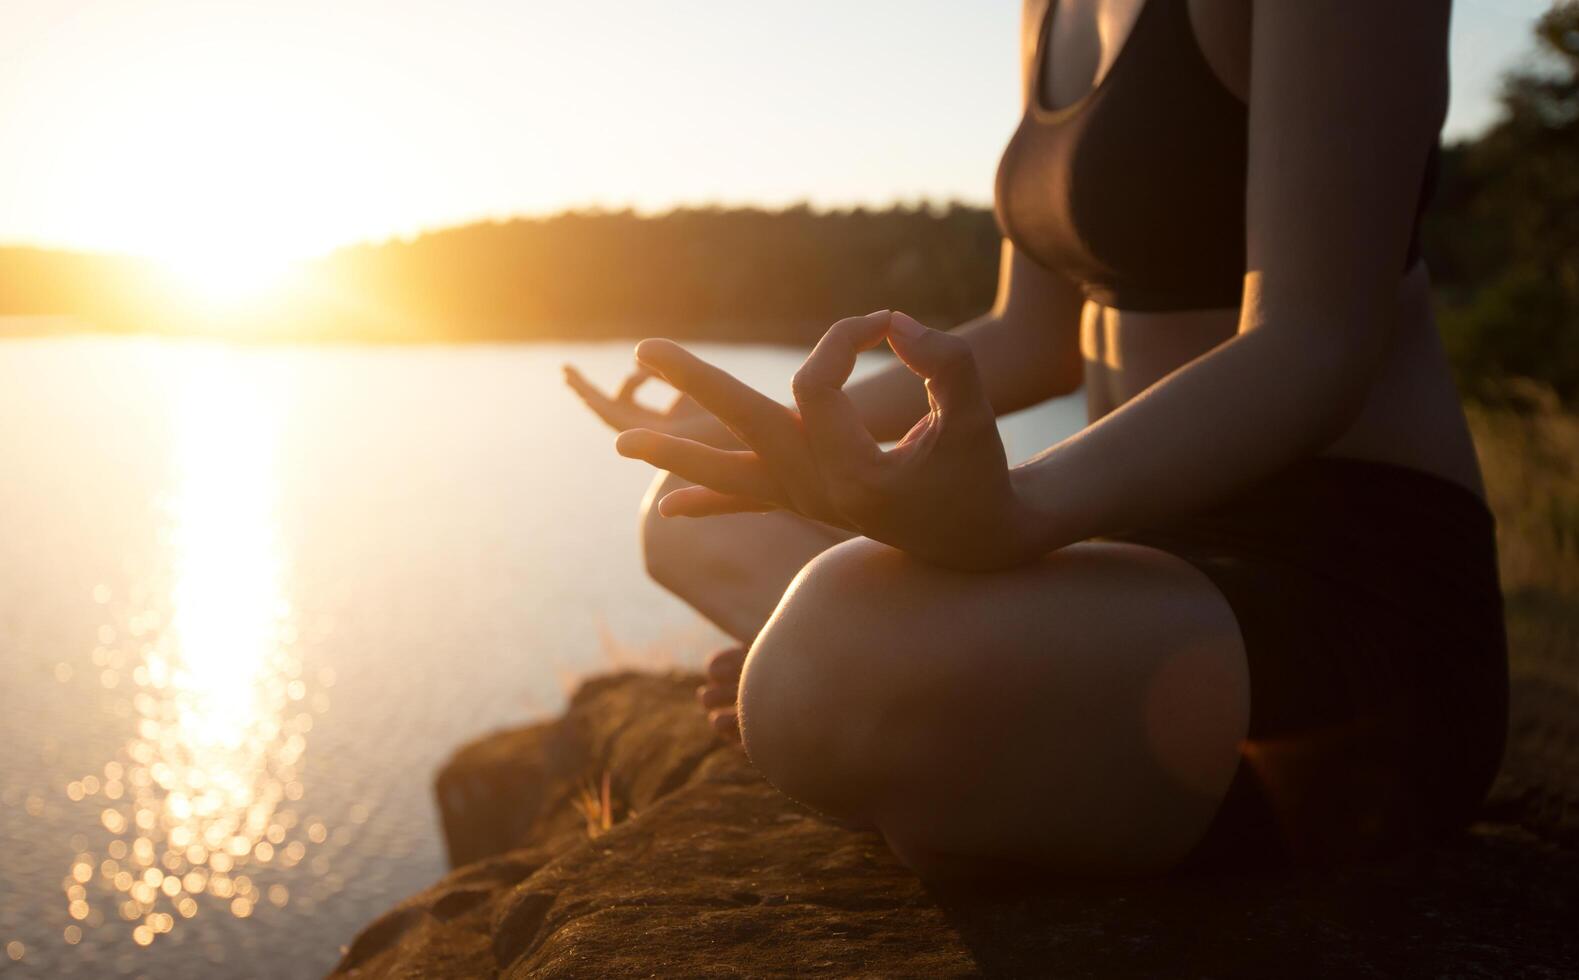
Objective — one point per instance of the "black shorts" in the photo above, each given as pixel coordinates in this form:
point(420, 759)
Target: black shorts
point(1368, 599)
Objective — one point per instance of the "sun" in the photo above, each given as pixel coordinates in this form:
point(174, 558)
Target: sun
point(225, 279)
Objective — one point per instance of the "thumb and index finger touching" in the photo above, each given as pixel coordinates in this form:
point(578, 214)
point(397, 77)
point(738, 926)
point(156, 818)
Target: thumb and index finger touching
point(833, 426)
point(831, 423)
point(615, 412)
point(942, 359)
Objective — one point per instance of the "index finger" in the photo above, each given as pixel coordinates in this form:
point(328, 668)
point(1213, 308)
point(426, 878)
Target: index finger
point(758, 420)
point(834, 428)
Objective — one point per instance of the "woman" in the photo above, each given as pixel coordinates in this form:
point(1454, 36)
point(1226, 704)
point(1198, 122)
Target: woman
point(1250, 614)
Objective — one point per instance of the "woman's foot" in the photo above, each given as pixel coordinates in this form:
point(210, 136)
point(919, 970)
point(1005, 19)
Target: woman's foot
point(722, 690)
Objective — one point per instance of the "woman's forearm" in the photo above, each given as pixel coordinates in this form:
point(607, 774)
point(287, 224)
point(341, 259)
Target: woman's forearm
point(1253, 405)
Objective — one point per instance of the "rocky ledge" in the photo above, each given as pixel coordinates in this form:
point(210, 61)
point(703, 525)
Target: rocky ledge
point(622, 840)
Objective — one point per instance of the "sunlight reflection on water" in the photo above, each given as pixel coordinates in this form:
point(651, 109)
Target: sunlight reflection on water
point(197, 541)
point(198, 805)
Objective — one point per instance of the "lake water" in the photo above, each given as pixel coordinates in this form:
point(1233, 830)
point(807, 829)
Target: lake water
point(251, 599)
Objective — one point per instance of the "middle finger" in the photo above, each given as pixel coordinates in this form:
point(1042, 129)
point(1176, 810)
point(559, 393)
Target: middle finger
point(729, 472)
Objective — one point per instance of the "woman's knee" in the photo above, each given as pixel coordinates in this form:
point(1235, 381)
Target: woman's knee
point(857, 692)
point(810, 692)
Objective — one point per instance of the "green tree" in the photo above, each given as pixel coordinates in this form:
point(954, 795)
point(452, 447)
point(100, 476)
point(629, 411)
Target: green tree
point(1504, 239)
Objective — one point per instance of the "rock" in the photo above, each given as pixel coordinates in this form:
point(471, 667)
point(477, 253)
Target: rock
point(521, 787)
point(707, 871)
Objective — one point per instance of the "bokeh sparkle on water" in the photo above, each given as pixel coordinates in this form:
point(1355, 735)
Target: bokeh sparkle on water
point(252, 598)
point(198, 809)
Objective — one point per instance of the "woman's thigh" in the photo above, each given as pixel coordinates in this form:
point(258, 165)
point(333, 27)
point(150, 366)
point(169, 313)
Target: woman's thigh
point(1083, 713)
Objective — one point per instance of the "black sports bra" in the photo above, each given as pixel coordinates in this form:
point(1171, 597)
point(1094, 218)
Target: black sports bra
point(1136, 190)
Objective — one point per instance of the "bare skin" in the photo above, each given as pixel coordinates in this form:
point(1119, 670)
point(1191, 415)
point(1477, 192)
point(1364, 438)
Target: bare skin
point(1080, 707)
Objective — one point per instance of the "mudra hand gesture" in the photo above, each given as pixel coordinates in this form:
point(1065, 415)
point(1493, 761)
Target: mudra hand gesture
point(943, 493)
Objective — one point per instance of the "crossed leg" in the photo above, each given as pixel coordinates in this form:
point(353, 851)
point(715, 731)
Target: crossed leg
point(733, 570)
point(1082, 714)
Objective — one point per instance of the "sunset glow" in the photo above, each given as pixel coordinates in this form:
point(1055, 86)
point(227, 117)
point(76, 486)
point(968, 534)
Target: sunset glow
point(348, 347)
point(224, 282)
point(267, 132)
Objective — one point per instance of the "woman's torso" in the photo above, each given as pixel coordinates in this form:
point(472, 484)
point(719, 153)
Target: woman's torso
point(1412, 416)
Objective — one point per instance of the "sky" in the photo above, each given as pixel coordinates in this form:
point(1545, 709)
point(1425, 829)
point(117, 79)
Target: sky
point(253, 132)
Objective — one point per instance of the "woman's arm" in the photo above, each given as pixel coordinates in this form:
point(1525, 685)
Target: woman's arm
point(1345, 104)
point(1344, 107)
point(1027, 350)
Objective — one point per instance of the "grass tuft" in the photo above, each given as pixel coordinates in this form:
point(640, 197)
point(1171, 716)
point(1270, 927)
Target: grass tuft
point(595, 802)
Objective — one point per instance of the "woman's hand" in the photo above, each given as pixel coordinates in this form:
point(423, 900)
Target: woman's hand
point(683, 418)
point(942, 494)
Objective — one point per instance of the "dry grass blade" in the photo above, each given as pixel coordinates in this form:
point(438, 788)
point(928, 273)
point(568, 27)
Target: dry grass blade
point(595, 802)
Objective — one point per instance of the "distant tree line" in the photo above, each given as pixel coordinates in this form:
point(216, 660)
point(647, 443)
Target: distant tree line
point(715, 273)
point(40, 282)
point(1502, 239)
point(738, 274)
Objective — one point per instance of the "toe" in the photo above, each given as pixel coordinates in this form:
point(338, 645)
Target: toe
point(725, 724)
point(724, 666)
